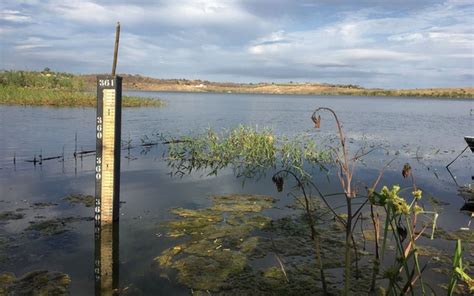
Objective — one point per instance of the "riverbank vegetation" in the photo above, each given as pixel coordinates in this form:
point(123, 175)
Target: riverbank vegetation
point(25, 86)
point(139, 82)
point(381, 233)
point(55, 89)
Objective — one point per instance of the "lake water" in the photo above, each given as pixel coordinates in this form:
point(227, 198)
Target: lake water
point(427, 133)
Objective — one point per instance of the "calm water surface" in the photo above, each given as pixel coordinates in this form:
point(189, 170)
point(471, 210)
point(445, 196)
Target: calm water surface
point(427, 133)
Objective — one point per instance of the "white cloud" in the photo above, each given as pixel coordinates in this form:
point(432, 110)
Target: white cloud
point(32, 43)
point(406, 46)
point(247, 40)
point(452, 37)
point(30, 46)
point(270, 48)
point(177, 13)
point(406, 37)
point(93, 13)
point(374, 54)
point(188, 12)
point(14, 16)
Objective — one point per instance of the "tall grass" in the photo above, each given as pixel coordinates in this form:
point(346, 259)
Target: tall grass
point(54, 89)
point(13, 95)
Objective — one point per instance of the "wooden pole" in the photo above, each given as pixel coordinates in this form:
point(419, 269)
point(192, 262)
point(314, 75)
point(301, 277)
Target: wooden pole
point(117, 38)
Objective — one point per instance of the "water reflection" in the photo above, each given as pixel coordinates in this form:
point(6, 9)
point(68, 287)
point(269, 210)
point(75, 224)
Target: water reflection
point(106, 269)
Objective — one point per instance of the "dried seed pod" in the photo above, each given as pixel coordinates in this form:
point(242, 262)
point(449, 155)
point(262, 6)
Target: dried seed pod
point(406, 172)
point(316, 120)
point(402, 232)
point(278, 180)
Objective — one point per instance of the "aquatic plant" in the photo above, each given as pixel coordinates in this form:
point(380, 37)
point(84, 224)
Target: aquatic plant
point(86, 200)
point(233, 230)
point(310, 212)
point(251, 153)
point(54, 226)
point(401, 221)
point(345, 175)
point(458, 272)
point(248, 151)
point(219, 240)
point(10, 215)
point(41, 282)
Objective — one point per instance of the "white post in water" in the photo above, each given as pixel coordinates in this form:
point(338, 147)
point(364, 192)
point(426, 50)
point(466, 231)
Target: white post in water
point(107, 176)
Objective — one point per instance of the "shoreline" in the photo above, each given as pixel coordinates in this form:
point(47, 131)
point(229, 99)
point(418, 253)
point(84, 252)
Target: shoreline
point(30, 88)
point(141, 83)
point(391, 94)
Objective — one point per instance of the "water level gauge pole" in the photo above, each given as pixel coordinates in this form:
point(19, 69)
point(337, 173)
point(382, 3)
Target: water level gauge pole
point(107, 178)
point(108, 130)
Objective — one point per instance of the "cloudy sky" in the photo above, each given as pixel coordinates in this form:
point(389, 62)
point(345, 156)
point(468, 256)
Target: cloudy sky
point(387, 43)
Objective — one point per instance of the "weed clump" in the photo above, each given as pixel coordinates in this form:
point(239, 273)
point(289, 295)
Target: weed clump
point(86, 200)
point(41, 282)
point(54, 226)
point(10, 215)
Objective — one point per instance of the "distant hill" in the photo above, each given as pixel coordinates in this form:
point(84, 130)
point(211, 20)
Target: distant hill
point(54, 80)
point(139, 82)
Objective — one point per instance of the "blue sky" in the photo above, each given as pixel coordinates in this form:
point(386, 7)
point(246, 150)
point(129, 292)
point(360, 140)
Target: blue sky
point(389, 44)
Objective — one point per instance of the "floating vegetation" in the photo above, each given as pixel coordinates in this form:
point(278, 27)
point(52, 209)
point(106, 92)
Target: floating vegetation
point(10, 215)
point(290, 237)
point(39, 282)
point(464, 235)
point(219, 238)
point(54, 226)
point(223, 243)
point(86, 200)
point(434, 254)
point(303, 279)
point(9, 248)
point(43, 205)
point(3, 248)
point(467, 193)
point(435, 203)
point(241, 203)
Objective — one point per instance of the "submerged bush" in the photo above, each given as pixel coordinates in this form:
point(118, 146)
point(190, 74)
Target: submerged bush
point(248, 151)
